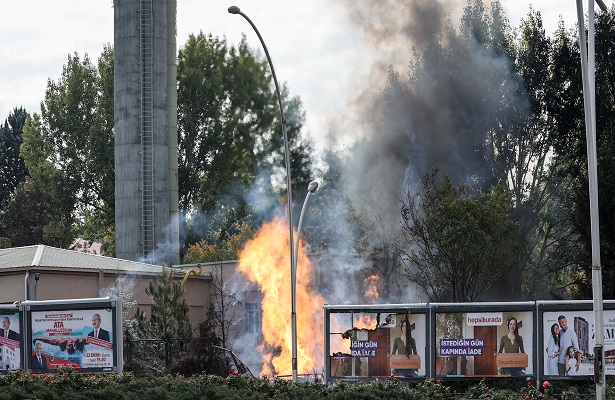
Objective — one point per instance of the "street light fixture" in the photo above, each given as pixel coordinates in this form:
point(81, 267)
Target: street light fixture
point(588, 71)
point(293, 276)
point(236, 10)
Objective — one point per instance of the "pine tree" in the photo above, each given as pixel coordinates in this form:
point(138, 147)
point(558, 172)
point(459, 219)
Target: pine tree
point(170, 317)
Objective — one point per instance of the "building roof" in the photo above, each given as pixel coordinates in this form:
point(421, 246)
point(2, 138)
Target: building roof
point(47, 256)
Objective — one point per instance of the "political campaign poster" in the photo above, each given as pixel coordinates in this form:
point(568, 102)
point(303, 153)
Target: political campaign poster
point(569, 340)
point(10, 340)
point(484, 344)
point(79, 338)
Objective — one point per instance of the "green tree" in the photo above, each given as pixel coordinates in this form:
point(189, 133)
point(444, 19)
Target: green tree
point(498, 102)
point(571, 266)
point(525, 168)
point(27, 217)
point(230, 146)
point(69, 148)
point(457, 245)
point(170, 317)
point(169, 320)
point(12, 167)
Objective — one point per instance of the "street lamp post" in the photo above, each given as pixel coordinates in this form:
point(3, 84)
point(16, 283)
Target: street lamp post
point(588, 71)
point(236, 10)
point(293, 276)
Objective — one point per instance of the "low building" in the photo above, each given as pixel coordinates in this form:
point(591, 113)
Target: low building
point(47, 273)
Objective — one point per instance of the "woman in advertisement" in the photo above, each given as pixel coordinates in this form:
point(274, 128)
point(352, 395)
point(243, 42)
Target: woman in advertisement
point(512, 342)
point(404, 344)
point(553, 350)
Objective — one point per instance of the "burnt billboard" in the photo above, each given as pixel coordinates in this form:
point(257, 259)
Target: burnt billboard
point(367, 343)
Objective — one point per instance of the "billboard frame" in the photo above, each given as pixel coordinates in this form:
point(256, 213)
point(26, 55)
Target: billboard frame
point(565, 307)
point(13, 310)
point(114, 306)
point(482, 307)
point(379, 310)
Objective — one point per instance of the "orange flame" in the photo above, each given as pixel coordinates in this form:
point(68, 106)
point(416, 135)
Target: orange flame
point(371, 284)
point(365, 321)
point(266, 261)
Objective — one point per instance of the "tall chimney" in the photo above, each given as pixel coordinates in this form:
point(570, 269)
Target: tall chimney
point(145, 125)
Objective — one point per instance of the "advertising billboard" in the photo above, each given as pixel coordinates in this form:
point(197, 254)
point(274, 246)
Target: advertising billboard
point(484, 344)
point(407, 344)
point(10, 340)
point(552, 339)
point(80, 335)
point(569, 340)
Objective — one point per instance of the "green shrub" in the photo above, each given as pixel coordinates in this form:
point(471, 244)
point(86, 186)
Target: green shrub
point(69, 384)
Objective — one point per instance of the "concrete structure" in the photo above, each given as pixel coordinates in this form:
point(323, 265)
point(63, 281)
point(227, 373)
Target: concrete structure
point(145, 124)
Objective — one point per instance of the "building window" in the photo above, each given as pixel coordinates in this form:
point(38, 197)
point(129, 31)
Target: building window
point(252, 318)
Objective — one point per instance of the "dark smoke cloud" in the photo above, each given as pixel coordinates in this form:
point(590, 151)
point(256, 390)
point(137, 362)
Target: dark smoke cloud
point(382, 22)
point(408, 120)
point(442, 120)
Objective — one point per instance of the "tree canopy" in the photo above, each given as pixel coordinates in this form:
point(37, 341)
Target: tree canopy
point(231, 152)
point(69, 147)
point(458, 245)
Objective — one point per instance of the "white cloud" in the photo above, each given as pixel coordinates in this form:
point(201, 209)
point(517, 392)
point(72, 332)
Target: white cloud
point(313, 44)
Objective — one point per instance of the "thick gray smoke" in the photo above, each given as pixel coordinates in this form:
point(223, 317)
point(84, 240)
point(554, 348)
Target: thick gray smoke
point(434, 113)
point(434, 92)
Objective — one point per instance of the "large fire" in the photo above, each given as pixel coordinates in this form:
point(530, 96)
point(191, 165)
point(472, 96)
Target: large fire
point(266, 261)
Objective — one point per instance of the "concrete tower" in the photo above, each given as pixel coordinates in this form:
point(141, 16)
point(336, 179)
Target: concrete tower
point(145, 79)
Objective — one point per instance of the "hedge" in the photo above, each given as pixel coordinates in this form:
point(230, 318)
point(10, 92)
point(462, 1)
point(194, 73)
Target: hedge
point(69, 384)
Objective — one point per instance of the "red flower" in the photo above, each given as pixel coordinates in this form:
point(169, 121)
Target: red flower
point(486, 389)
point(225, 383)
point(529, 383)
point(546, 384)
